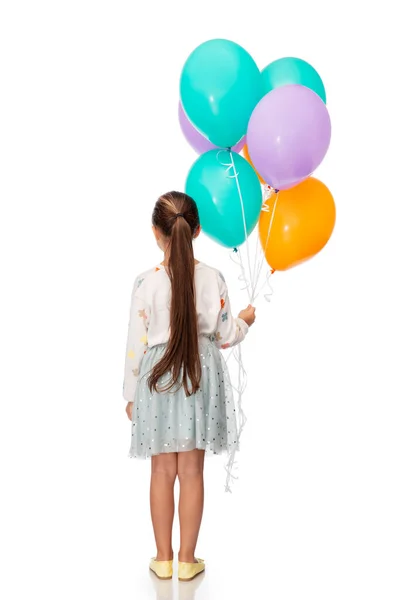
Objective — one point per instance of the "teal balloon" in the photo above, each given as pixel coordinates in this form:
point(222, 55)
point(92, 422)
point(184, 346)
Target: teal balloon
point(215, 182)
point(288, 71)
point(220, 87)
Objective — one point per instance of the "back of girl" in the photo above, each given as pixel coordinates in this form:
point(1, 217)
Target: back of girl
point(176, 383)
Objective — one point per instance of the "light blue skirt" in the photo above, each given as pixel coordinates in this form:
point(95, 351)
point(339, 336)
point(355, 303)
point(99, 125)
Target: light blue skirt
point(174, 422)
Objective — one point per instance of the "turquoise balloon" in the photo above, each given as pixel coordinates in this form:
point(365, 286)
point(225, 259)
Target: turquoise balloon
point(220, 87)
point(288, 71)
point(215, 188)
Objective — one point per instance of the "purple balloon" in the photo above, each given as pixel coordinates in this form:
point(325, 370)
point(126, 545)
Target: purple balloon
point(288, 135)
point(198, 142)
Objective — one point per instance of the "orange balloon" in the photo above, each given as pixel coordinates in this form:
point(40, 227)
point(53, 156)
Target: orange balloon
point(298, 224)
point(247, 157)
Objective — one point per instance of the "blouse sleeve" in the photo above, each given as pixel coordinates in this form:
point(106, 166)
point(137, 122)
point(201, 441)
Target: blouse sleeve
point(230, 330)
point(136, 346)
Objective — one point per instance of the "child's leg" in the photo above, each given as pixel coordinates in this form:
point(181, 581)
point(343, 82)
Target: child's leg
point(163, 476)
point(191, 501)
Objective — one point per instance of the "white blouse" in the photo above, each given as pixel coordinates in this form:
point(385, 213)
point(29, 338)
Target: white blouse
point(149, 322)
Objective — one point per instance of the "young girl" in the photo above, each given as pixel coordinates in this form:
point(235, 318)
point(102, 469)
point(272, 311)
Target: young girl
point(176, 384)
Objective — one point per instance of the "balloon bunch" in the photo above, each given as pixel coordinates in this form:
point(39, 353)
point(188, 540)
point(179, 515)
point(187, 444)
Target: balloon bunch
point(278, 118)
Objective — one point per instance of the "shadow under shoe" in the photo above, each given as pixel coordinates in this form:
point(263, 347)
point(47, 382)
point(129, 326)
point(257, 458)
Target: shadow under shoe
point(187, 590)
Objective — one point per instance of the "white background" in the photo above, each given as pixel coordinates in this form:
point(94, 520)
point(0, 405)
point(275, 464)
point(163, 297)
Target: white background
point(89, 139)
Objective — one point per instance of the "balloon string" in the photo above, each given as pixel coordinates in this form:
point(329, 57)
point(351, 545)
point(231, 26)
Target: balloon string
point(247, 278)
point(236, 176)
point(237, 351)
point(259, 263)
point(242, 276)
point(266, 208)
point(241, 417)
point(254, 275)
point(259, 257)
point(259, 254)
point(267, 295)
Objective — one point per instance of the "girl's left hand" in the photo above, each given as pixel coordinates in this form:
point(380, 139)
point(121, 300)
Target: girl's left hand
point(129, 408)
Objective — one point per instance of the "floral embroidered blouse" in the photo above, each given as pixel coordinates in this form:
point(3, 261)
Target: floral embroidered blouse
point(149, 322)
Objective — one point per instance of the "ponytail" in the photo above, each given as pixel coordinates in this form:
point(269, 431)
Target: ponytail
point(182, 352)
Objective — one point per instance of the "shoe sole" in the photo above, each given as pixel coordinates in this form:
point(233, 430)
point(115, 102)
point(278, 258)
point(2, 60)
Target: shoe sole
point(191, 578)
point(158, 577)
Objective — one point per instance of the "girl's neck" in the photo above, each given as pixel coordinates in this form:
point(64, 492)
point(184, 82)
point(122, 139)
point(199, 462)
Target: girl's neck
point(166, 260)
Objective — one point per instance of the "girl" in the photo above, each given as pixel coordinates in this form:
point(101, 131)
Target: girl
point(176, 384)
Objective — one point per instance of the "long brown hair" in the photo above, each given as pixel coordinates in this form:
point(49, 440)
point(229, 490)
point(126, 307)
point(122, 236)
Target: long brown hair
point(176, 216)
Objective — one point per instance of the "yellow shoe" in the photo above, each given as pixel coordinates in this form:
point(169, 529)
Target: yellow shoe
point(188, 571)
point(161, 568)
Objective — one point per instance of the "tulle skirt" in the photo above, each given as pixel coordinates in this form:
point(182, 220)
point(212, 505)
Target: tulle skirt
point(174, 422)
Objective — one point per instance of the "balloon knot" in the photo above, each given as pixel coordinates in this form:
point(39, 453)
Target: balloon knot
point(235, 249)
point(273, 271)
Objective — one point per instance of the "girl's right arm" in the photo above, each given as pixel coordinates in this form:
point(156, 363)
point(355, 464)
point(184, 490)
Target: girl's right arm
point(230, 330)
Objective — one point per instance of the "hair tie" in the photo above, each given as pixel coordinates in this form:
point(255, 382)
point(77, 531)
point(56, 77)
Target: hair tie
point(179, 215)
